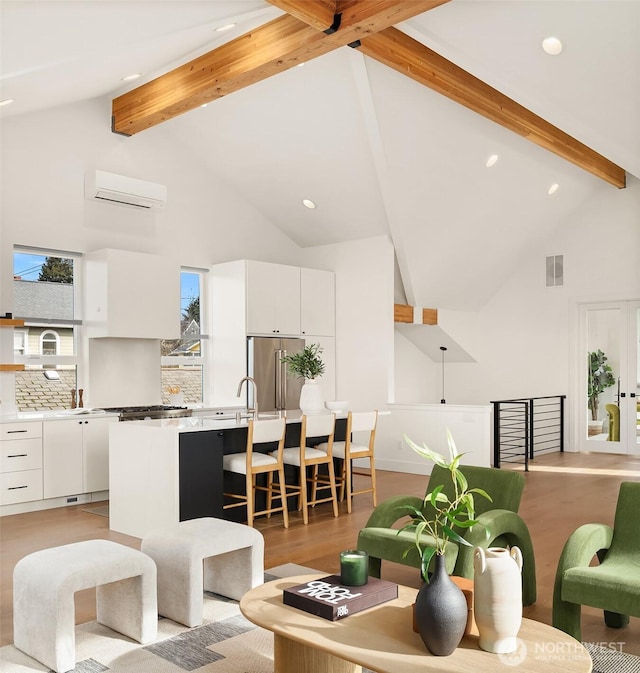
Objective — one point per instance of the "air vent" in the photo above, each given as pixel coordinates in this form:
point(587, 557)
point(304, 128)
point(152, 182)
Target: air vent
point(555, 270)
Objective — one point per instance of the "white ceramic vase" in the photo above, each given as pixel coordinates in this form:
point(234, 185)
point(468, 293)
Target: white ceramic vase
point(311, 397)
point(497, 597)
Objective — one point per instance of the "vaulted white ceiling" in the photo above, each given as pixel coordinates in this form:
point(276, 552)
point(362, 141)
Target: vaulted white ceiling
point(377, 152)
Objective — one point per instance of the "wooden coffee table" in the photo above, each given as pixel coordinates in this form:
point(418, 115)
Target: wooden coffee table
point(382, 639)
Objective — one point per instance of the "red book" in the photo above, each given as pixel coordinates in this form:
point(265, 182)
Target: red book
point(327, 598)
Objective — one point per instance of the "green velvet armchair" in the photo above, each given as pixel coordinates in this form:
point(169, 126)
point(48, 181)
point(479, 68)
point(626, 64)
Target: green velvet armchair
point(501, 527)
point(614, 584)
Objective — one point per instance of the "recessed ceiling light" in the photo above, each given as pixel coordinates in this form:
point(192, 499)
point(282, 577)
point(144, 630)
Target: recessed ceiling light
point(227, 26)
point(308, 203)
point(491, 161)
point(300, 64)
point(552, 45)
point(553, 189)
point(132, 76)
point(204, 105)
point(7, 101)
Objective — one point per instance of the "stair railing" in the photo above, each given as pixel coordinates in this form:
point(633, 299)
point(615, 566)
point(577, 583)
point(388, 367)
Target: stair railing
point(526, 426)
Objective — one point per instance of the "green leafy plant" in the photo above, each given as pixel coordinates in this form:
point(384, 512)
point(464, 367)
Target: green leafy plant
point(307, 363)
point(600, 377)
point(441, 514)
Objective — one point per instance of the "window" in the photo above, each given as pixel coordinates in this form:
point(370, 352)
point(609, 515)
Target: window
point(44, 287)
point(182, 369)
point(49, 343)
point(19, 342)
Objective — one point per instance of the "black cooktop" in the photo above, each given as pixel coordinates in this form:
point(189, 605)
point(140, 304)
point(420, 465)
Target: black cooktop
point(142, 409)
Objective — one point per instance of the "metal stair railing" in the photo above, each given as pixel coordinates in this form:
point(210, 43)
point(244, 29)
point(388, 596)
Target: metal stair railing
point(526, 426)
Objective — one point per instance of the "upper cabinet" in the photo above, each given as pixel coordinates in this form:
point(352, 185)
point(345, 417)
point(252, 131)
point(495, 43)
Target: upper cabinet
point(317, 302)
point(273, 299)
point(262, 299)
point(132, 295)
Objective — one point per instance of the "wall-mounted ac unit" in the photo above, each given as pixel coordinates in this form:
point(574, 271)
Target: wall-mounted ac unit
point(121, 189)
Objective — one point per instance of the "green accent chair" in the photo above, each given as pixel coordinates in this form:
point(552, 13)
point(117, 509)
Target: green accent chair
point(502, 526)
point(613, 410)
point(614, 584)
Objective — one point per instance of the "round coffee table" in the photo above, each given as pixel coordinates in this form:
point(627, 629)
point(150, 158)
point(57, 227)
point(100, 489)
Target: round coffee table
point(382, 639)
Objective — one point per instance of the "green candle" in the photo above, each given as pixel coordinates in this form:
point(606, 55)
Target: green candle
point(354, 567)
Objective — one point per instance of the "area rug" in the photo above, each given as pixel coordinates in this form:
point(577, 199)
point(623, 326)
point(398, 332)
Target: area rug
point(225, 643)
point(610, 660)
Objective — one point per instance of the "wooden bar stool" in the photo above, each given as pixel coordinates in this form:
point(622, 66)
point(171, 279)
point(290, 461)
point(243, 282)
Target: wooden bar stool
point(303, 456)
point(361, 421)
point(253, 463)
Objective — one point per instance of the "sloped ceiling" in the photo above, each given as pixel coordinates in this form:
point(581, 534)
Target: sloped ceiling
point(377, 152)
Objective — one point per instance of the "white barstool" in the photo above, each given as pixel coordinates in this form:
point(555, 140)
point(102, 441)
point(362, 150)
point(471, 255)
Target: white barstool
point(252, 463)
point(361, 421)
point(303, 456)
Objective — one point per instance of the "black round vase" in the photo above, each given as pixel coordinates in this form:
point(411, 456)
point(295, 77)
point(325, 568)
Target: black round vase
point(441, 612)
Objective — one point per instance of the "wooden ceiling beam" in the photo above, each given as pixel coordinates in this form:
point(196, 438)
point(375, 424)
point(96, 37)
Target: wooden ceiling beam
point(414, 315)
point(253, 57)
point(413, 59)
point(319, 14)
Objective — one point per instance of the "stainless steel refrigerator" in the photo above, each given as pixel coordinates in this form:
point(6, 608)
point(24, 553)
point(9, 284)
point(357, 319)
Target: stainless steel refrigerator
point(276, 389)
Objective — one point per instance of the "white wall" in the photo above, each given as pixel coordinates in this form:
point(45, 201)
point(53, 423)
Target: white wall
point(364, 317)
point(418, 379)
point(525, 338)
point(44, 157)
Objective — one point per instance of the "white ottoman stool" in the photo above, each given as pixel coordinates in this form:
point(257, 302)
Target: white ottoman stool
point(43, 606)
point(211, 554)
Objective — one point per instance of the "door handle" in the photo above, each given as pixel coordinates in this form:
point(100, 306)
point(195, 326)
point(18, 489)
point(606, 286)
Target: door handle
point(623, 394)
point(632, 394)
point(278, 355)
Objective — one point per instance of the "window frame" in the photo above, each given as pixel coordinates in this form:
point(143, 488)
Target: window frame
point(55, 340)
point(40, 360)
point(194, 360)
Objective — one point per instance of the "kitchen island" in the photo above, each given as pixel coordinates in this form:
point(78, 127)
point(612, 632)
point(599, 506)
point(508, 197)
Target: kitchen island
point(169, 470)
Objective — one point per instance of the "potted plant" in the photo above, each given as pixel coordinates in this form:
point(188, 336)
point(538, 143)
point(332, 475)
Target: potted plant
point(600, 377)
point(441, 608)
point(308, 364)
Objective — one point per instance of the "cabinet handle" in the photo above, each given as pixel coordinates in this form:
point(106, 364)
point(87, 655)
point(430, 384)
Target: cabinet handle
point(18, 455)
point(13, 432)
point(16, 488)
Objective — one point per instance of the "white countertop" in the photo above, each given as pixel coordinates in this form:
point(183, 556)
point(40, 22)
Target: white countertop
point(196, 424)
point(53, 415)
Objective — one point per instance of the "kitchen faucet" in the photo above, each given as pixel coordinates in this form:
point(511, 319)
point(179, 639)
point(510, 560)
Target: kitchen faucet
point(255, 395)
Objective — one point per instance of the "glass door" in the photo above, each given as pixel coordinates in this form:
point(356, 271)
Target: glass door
point(609, 377)
point(633, 396)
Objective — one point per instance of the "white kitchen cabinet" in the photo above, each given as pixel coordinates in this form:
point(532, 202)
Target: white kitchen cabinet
point(132, 295)
point(76, 456)
point(273, 299)
point(317, 302)
point(242, 305)
point(20, 462)
point(95, 454)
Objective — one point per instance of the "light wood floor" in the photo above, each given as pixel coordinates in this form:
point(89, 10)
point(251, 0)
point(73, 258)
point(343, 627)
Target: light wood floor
point(563, 491)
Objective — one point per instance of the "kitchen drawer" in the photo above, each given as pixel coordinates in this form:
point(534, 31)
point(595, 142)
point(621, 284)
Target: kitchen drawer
point(21, 486)
point(20, 454)
point(26, 430)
